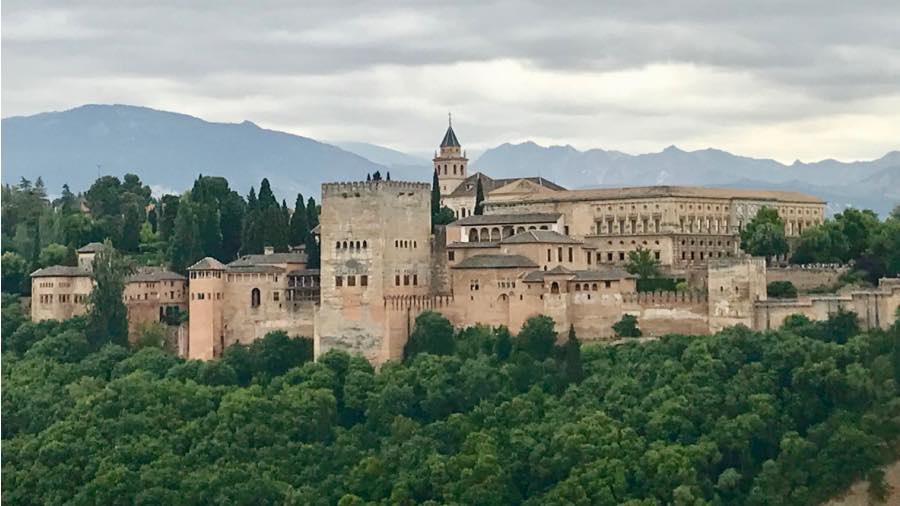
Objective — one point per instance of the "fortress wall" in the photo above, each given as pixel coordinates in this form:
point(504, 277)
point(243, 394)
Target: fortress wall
point(805, 278)
point(875, 308)
point(440, 269)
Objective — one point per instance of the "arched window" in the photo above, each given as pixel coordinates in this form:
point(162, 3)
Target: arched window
point(473, 235)
point(495, 234)
point(365, 245)
point(357, 244)
point(345, 244)
point(254, 297)
point(577, 287)
point(554, 287)
point(338, 245)
point(594, 287)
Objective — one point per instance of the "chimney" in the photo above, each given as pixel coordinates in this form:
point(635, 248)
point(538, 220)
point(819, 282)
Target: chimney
point(268, 250)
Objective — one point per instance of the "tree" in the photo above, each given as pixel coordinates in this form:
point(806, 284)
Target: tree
point(503, 344)
point(781, 290)
point(764, 234)
point(376, 176)
point(627, 326)
point(299, 225)
point(444, 217)
point(184, 248)
point(153, 220)
point(107, 315)
point(168, 206)
point(55, 254)
point(131, 224)
point(15, 272)
point(312, 213)
point(231, 217)
point(435, 197)
point(432, 334)
point(479, 197)
point(642, 264)
point(572, 365)
point(537, 337)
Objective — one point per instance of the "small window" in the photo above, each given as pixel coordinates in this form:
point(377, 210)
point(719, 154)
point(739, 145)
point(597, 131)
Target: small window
point(397, 280)
point(364, 280)
point(275, 296)
point(351, 280)
point(338, 245)
point(415, 280)
point(621, 255)
point(451, 255)
point(607, 284)
point(570, 255)
point(338, 281)
point(406, 280)
point(254, 297)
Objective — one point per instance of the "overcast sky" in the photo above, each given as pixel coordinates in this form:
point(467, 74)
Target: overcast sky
point(805, 79)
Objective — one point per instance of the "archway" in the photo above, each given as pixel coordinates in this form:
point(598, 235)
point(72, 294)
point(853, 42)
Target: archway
point(473, 235)
point(254, 297)
point(554, 287)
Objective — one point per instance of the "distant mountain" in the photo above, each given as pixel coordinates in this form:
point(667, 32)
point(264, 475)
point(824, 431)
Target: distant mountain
point(387, 156)
point(870, 184)
point(168, 150)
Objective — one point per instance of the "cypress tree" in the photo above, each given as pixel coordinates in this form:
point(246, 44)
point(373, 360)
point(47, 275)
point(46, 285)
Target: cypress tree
point(479, 197)
point(251, 242)
point(435, 195)
point(108, 316)
point(131, 226)
point(152, 219)
point(299, 224)
point(312, 213)
point(572, 356)
point(185, 248)
point(313, 255)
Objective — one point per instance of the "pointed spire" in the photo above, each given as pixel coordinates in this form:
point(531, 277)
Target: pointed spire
point(450, 140)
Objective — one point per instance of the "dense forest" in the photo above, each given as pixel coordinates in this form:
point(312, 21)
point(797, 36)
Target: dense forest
point(174, 231)
point(470, 417)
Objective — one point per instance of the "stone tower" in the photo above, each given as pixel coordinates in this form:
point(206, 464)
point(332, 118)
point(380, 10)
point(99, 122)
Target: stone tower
point(206, 324)
point(375, 244)
point(734, 285)
point(451, 162)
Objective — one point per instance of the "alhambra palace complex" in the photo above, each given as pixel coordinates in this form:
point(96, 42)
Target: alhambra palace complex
point(538, 248)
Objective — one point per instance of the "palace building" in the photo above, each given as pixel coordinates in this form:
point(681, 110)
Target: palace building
point(537, 249)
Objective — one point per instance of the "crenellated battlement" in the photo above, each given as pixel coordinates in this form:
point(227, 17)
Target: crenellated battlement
point(417, 301)
point(348, 188)
point(665, 298)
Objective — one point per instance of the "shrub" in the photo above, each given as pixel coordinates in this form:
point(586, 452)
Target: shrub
point(781, 290)
point(627, 327)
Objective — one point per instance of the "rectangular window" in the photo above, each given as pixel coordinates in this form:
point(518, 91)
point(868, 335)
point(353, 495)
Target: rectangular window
point(570, 255)
point(451, 255)
point(406, 280)
point(607, 284)
point(351, 280)
point(275, 296)
point(415, 280)
point(566, 229)
point(609, 257)
point(338, 281)
point(656, 254)
point(397, 280)
point(588, 253)
point(621, 255)
point(559, 254)
point(364, 280)
point(200, 296)
point(549, 255)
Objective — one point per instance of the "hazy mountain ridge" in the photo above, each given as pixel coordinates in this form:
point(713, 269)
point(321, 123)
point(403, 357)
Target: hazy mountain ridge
point(872, 184)
point(167, 149)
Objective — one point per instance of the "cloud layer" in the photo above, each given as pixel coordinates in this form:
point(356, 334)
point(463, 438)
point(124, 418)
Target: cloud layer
point(801, 79)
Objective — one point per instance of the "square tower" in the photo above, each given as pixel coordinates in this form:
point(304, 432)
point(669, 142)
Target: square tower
point(375, 242)
point(451, 163)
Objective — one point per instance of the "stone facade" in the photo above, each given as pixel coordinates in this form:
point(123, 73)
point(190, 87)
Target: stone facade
point(376, 244)
point(60, 292)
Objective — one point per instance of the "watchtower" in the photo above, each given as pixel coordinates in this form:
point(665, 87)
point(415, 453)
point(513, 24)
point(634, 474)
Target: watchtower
point(375, 243)
point(451, 163)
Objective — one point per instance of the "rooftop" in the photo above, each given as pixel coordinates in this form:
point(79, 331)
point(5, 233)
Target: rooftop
point(469, 185)
point(91, 247)
point(673, 191)
point(450, 140)
point(508, 219)
point(473, 245)
point(539, 237)
point(495, 262)
point(606, 274)
point(60, 271)
point(271, 258)
point(154, 274)
point(208, 263)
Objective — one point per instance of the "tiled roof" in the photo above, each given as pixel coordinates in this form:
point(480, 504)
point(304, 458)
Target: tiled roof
point(271, 258)
point(473, 245)
point(495, 262)
point(539, 236)
point(91, 247)
point(208, 263)
point(672, 191)
point(304, 272)
point(267, 269)
point(149, 275)
point(468, 186)
point(450, 140)
point(508, 219)
point(60, 271)
point(605, 274)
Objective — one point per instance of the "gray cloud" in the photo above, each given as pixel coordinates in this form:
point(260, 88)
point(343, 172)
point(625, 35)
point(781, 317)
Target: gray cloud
point(771, 78)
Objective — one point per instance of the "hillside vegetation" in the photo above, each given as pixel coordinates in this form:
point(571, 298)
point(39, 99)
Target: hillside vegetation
point(472, 417)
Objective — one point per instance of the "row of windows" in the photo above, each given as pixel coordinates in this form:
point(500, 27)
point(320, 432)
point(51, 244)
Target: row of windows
point(719, 243)
point(559, 255)
point(702, 255)
point(64, 298)
point(208, 295)
point(506, 284)
point(609, 225)
point(251, 276)
point(495, 234)
point(621, 255)
point(591, 286)
point(351, 245)
point(406, 244)
point(351, 280)
point(473, 285)
point(406, 280)
point(205, 274)
point(446, 168)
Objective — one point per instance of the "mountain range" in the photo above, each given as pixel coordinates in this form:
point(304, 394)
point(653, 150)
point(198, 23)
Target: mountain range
point(168, 150)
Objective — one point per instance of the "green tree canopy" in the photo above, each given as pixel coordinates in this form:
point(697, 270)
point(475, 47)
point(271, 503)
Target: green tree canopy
point(642, 264)
point(432, 334)
point(107, 315)
point(764, 234)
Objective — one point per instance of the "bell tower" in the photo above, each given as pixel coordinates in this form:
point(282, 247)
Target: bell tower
point(451, 162)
